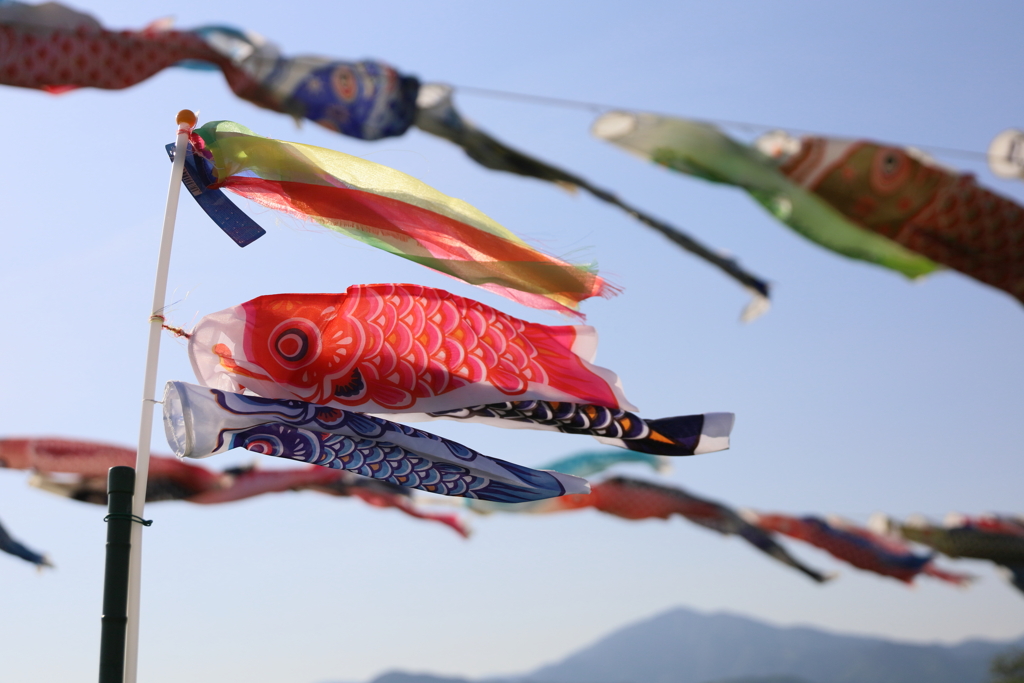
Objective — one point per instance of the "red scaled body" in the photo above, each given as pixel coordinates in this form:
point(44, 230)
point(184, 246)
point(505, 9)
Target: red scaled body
point(933, 211)
point(396, 347)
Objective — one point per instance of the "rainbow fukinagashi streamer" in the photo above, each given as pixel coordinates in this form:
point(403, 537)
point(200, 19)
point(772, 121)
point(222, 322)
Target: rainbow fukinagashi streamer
point(392, 211)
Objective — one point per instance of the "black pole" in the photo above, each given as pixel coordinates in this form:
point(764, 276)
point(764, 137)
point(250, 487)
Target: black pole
point(120, 487)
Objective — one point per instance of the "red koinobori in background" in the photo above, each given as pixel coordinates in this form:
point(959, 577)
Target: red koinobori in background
point(865, 549)
point(78, 470)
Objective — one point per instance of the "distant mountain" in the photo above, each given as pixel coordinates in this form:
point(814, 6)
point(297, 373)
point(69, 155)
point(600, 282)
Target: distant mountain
point(402, 677)
point(683, 646)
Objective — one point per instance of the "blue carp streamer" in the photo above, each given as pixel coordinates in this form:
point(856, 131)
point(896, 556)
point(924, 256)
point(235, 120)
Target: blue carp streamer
point(201, 421)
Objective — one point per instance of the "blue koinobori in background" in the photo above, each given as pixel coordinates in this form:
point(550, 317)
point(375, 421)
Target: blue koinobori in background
point(367, 99)
point(13, 547)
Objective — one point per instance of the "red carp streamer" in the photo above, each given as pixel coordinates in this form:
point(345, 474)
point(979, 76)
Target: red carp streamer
point(638, 499)
point(394, 348)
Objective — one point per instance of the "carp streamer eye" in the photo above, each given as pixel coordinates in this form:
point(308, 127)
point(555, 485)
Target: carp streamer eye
point(263, 444)
point(344, 82)
point(295, 343)
point(292, 344)
point(890, 169)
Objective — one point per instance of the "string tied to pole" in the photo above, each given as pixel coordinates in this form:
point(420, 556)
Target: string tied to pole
point(176, 331)
point(129, 517)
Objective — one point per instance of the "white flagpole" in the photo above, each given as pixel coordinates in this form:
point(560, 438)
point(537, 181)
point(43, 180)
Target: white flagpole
point(186, 121)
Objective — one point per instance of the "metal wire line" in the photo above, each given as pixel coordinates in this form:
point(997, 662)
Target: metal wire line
point(598, 108)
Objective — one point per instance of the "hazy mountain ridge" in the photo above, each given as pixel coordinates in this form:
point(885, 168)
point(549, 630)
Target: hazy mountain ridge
point(401, 677)
point(683, 646)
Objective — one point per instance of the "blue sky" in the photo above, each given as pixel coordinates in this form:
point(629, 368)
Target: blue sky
point(858, 392)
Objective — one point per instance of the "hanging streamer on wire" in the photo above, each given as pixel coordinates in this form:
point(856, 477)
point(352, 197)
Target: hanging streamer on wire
point(882, 554)
point(998, 539)
point(368, 99)
point(875, 551)
point(702, 150)
point(78, 470)
point(636, 499)
point(200, 422)
point(905, 196)
point(886, 205)
point(587, 463)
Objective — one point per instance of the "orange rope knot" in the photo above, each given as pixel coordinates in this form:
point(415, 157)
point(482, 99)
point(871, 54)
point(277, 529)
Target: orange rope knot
point(176, 331)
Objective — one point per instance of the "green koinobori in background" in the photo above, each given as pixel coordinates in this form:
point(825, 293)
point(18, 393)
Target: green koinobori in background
point(702, 150)
point(887, 205)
